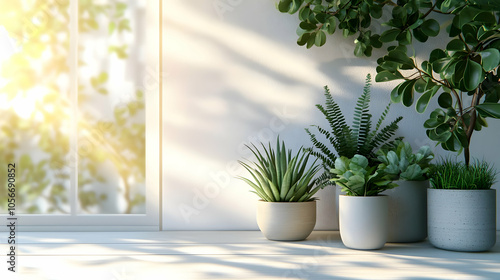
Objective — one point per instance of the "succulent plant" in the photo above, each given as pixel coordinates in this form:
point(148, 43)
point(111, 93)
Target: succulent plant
point(280, 177)
point(401, 163)
point(357, 178)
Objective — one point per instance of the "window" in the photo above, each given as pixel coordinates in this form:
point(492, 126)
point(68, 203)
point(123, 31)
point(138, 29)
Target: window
point(79, 96)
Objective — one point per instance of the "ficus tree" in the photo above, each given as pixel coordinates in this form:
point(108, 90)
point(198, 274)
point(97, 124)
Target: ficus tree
point(462, 75)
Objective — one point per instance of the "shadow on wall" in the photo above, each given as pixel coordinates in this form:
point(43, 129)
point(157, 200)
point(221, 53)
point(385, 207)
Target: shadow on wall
point(227, 86)
point(232, 81)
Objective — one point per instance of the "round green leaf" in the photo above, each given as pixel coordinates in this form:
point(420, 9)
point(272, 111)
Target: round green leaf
point(400, 57)
point(489, 110)
point(295, 6)
point(304, 13)
point(453, 143)
point(303, 39)
point(331, 25)
point(431, 123)
point(442, 128)
point(440, 64)
point(311, 40)
point(455, 45)
point(307, 25)
point(473, 75)
point(490, 58)
point(430, 27)
point(459, 72)
point(420, 85)
point(404, 38)
point(389, 35)
point(437, 54)
point(419, 35)
point(386, 76)
point(445, 100)
point(284, 6)
point(376, 11)
point(375, 41)
point(320, 39)
point(424, 100)
point(407, 93)
point(486, 17)
point(400, 14)
point(443, 137)
point(395, 95)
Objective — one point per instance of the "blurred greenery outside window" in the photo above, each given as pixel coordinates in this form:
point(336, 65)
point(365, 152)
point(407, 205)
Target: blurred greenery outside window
point(105, 158)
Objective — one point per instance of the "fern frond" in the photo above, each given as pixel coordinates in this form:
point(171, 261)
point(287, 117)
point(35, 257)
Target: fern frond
point(385, 134)
point(345, 140)
point(325, 153)
point(332, 113)
point(362, 118)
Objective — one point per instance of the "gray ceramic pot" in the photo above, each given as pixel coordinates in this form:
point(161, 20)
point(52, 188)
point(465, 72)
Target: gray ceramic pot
point(363, 221)
point(286, 221)
point(462, 220)
point(407, 211)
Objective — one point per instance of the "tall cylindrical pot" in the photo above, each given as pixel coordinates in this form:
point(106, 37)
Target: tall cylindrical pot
point(462, 220)
point(363, 221)
point(407, 211)
point(286, 221)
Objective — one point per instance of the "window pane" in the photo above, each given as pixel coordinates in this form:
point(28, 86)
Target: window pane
point(34, 104)
point(111, 118)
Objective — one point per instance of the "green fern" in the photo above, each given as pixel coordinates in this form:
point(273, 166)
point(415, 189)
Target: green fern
point(348, 141)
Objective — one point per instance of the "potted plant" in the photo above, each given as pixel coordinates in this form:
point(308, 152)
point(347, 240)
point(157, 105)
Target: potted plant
point(408, 201)
point(344, 140)
point(363, 218)
point(286, 185)
point(463, 73)
point(462, 206)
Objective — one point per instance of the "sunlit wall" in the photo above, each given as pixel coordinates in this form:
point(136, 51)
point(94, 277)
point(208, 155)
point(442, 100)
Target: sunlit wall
point(234, 75)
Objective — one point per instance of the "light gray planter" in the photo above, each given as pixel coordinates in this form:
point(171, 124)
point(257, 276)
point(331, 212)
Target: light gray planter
point(462, 220)
point(363, 221)
point(286, 221)
point(407, 211)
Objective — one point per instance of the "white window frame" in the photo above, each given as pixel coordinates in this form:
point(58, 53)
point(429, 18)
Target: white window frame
point(150, 221)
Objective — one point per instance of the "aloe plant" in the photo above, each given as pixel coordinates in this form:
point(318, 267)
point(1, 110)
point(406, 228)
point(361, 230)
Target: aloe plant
point(280, 177)
point(358, 178)
point(401, 163)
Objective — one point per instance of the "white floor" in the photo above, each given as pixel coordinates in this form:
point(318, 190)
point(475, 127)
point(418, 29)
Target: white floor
point(232, 255)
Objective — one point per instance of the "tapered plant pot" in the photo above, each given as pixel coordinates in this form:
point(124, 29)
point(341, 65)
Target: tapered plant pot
point(407, 211)
point(462, 220)
point(363, 221)
point(286, 221)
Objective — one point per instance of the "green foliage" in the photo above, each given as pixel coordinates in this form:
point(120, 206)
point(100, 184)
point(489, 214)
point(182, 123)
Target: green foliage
point(358, 178)
point(348, 141)
point(401, 163)
point(40, 141)
point(279, 177)
point(463, 73)
point(456, 175)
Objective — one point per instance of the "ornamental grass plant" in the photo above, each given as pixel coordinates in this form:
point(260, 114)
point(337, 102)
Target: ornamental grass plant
point(448, 174)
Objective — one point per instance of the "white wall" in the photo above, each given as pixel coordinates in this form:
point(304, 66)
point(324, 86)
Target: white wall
point(235, 75)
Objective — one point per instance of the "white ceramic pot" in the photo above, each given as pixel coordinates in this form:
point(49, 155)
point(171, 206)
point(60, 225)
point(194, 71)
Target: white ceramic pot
point(407, 211)
point(462, 220)
point(363, 221)
point(286, 221)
